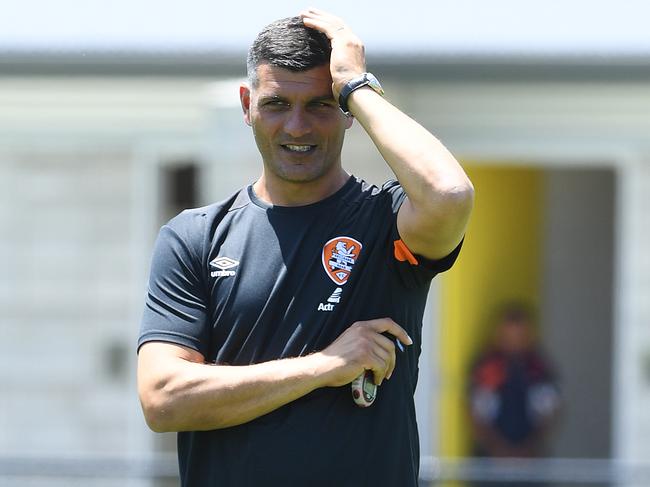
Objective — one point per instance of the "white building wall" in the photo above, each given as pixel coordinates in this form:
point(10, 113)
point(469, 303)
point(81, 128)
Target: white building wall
point(576, 311)
point(574, 125)
point(632, 374)
point(66, 251)
point(77, 158)
point(77, 212)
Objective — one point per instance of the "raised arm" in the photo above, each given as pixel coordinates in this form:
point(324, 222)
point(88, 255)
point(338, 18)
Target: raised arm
point(440, 196)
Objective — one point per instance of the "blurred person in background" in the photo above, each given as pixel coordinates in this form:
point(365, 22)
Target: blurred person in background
point(262, 309)
point(514, 394)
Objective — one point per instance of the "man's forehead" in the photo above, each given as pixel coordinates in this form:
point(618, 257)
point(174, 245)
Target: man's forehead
point(276, 78)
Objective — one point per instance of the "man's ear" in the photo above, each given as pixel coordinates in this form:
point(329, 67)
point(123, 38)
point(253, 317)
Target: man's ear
point(245, 99)
point(349, 121)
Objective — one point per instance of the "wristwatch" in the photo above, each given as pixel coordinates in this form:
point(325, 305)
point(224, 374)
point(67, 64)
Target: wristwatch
point(366, 79)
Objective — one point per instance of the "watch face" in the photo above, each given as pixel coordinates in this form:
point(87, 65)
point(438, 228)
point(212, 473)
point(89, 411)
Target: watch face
point(373, 82)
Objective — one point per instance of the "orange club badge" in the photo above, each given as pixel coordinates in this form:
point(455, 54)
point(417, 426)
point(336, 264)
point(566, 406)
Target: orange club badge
point(339, 256)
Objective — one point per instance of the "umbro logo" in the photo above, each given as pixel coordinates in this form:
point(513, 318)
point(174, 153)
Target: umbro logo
point(224, 264)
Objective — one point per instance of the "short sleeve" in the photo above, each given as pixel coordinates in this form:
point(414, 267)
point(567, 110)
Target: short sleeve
point(175, 305)
point(414, 270)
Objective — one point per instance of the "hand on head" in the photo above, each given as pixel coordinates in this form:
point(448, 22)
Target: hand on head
point(348, 58)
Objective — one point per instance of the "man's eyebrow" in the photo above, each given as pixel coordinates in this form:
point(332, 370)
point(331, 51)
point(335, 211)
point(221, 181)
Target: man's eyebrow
point(328, 97)
point(265, 98)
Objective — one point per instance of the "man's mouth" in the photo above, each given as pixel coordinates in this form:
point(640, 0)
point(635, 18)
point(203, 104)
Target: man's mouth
point(298, 148)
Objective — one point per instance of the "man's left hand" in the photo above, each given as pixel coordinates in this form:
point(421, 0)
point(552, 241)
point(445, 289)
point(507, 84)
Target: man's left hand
point(348, 59)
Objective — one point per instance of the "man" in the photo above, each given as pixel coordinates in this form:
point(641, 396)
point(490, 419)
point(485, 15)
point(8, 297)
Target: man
point(513, 392)
point(262, 309)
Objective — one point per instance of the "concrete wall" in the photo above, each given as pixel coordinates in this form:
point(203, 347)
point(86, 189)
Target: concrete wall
point(77, 212)
point(571, 125)
point(577, 313)
point(76, 155)
point(631, 377)
point(65, 297)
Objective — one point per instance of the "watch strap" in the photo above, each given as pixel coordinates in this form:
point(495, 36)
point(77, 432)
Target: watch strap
point(355, 84)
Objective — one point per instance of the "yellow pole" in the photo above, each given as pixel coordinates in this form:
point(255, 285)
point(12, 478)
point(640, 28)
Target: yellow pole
point(500, 262)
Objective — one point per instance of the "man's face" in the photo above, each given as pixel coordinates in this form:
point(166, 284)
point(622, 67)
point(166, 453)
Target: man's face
point(297, 124)
point(515, 336)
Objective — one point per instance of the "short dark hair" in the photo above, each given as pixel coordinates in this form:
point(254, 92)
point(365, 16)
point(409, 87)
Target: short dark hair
point(516, 312)
point(288, 44)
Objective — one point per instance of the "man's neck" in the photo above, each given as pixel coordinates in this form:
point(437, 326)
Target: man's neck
point(287, 193)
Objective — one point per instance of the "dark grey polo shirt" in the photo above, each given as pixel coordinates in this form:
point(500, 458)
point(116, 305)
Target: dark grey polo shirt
point(243, 282)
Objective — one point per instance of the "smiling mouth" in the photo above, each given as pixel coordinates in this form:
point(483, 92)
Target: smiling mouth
point(298, 148)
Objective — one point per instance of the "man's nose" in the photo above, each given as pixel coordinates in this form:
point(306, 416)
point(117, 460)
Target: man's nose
point(297, 123)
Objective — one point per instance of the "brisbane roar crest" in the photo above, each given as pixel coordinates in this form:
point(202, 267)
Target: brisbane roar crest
point(339, 256)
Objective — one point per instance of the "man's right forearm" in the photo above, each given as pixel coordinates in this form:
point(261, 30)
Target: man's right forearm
point(180, 392)
point(198, 396)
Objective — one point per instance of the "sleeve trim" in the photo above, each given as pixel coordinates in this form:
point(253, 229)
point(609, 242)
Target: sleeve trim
point(402, 252)
point(173, 338)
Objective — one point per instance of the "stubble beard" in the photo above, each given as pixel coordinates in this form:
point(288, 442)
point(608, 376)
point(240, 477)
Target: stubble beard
point(282, 168)
point(298, 173)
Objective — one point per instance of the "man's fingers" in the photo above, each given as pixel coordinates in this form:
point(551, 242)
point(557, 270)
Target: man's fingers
point(385, 354)
point(321, 15)
point(347, 58)
point(326, 23)
point(366, 346)
point(383, 362)
point(327, 28)
point(386, 325)
point(385, 343)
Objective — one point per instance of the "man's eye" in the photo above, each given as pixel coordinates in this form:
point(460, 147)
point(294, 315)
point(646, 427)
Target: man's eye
point(321, 104)
point(275, 103)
